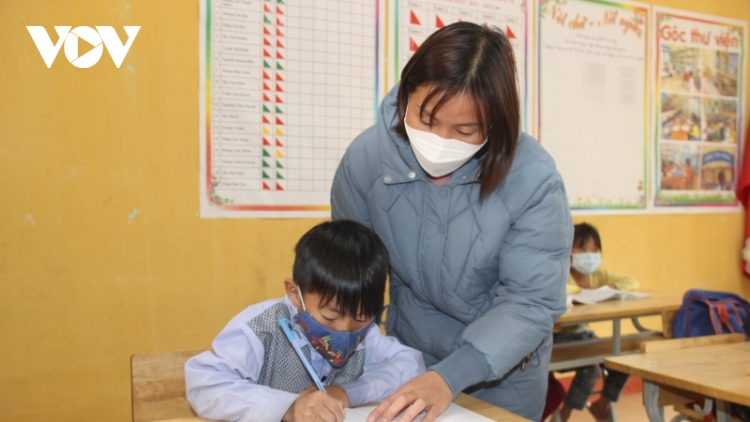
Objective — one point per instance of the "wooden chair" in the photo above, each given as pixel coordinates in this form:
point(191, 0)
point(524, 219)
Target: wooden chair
point(158, 386)
point(680, 400)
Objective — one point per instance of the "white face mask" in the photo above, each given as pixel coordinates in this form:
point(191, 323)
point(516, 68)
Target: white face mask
point(439, 156)
point(586, 262)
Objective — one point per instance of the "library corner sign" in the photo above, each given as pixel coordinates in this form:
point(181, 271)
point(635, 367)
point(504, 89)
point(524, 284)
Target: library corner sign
point(101, 37)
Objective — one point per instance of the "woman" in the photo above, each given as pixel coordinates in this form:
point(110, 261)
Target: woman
point(476, 221)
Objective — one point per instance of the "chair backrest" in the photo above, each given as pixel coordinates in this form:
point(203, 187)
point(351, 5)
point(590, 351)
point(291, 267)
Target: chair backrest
point(684, 343)
point(158, 383)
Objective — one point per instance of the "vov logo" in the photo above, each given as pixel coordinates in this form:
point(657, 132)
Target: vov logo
point(101, 37)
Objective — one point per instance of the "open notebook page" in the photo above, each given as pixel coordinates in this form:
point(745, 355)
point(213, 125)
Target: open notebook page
point(454, 413)
point(603, 293)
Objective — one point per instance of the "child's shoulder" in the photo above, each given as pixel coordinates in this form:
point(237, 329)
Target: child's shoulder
point(270, 309)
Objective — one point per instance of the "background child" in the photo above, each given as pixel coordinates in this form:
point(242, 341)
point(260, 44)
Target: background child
point(253, 372)
point(585, 259)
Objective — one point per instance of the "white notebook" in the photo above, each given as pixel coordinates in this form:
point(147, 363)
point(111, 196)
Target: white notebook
point(588, 296)
point(454, 413)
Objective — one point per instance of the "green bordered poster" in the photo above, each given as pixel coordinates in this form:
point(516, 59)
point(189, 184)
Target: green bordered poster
point(285, 86)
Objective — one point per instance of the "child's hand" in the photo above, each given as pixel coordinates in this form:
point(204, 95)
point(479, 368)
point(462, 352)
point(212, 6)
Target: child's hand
point(339, 394)
point(315, 406)
point(334, 391)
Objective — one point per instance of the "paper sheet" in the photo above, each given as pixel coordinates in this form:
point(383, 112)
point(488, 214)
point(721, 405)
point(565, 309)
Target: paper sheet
point(588, 296)
point(454, 413)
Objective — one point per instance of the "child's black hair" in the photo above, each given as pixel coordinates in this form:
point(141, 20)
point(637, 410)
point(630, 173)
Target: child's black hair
point(346, 261)
point(582, 232)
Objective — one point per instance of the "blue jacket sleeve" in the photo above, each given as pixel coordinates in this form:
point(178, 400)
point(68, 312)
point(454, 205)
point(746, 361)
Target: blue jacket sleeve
point(533, 269)
point(350, 187)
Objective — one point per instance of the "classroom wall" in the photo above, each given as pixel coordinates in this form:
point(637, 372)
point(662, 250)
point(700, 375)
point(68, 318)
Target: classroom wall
point(102, 252)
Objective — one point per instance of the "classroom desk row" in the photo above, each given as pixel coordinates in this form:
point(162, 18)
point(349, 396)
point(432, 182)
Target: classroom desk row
point(570, 355)
point(718, 372)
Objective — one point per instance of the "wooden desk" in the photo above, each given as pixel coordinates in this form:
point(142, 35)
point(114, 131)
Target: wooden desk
point(594, 351)
point(486, 409)
point(720, 372)
point(464, 400)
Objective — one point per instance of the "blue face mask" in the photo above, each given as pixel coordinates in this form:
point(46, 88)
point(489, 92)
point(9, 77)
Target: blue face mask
point(335, 346)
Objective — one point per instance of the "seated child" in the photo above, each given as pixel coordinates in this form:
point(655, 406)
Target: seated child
point(254, 373)
point(585, 258)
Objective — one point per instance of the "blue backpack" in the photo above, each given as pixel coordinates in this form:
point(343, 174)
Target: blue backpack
point(705, 312)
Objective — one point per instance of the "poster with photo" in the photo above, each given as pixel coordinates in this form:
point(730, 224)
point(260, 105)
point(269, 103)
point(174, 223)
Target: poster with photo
point(699, 84)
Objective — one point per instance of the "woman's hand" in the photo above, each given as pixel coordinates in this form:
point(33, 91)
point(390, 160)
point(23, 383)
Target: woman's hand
point(427, 392)
point(314, 406)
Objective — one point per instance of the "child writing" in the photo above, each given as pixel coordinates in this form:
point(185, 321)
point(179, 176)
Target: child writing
point(585, 259)
point(254, 373)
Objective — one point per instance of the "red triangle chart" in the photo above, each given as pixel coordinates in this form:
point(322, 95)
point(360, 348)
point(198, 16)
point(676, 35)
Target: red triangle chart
point(265, 142)
point(413, 19)
point(266, 53)
point(265, 97)
point(278, 55)
point(265, 75)
point(265, 186)
point(279, 11)
point(266, 31)
point(265, 120)
point(278, 187)
point(266, 87)
point(266, 42)
point(267, 9)
point(509, 33)
point(412, 44)
point(279, 22)
point(278, 88)
point(279, 33)
point(279, 78)
point(279, 44)
point(279, 122)
point(278, 143)
point(278, 100)
point(439, 22)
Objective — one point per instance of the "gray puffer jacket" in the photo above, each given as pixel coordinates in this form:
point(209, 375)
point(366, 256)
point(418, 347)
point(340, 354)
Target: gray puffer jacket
point(475, 286)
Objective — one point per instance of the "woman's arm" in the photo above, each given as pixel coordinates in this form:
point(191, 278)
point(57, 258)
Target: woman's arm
point(534, 264)
point(354, 179)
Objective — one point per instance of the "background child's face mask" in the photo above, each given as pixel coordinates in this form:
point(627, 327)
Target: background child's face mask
point(586, 262)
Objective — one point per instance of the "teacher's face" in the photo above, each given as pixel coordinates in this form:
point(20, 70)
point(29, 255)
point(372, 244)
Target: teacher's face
point(455, 119)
